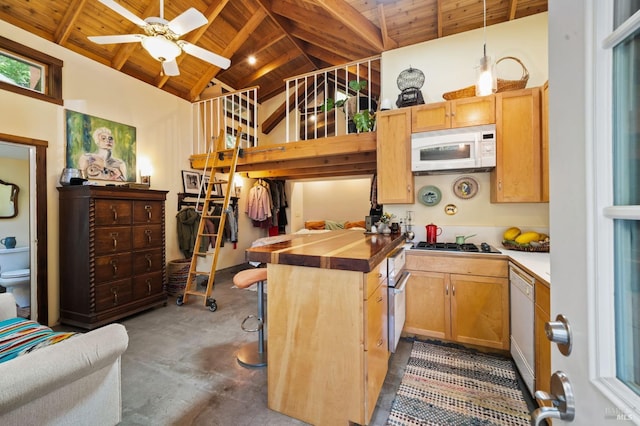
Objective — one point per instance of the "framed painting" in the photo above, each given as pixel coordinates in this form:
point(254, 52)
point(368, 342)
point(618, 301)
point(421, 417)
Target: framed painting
point(102, 149)
point(216, 191)
point(191, 182)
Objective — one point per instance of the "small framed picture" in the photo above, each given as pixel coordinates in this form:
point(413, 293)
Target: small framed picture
point(191, 182)
point(216, 191)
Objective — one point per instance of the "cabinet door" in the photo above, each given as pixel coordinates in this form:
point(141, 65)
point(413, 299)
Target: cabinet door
point(395, 180)
point(542, 344)
point(428, 312)
point(474, 111)
point(545, 142)
point(429, 117)
point(376, 346)
point(518, 173)
point(480, 310)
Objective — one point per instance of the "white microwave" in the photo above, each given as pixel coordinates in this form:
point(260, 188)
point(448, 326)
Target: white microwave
point(467, 149)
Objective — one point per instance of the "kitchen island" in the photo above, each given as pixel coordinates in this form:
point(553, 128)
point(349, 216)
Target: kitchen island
point(327, 324)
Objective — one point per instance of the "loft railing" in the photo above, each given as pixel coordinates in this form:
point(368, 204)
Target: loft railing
point(226, 112)
point(309, 96)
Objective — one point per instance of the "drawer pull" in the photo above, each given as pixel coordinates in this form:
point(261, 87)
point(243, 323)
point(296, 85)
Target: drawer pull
point(149, 263)
point(148, 286)
point(446, 290)
point(148, 209)
point(148, 232)
point(114, 237)
point(114, 266)
point(114, 291)
point(453, 290)
point(115, 212)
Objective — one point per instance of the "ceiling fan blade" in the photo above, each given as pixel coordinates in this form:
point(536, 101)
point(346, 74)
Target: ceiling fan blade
point(205, 55)
point(111, 4)
point(187, 21)
point(113, 39)
point(170, 67)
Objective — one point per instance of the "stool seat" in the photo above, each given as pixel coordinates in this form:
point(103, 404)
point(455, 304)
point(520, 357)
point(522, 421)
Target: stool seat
point(253, 354)
point(248, 277)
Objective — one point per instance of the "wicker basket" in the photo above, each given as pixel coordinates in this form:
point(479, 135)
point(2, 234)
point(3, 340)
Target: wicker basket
point(467, 92)
point(503, 85)
point(511, 245)
point(506, 85)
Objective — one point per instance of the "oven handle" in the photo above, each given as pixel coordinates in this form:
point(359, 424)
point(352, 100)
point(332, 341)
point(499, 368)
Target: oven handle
point(399, 288)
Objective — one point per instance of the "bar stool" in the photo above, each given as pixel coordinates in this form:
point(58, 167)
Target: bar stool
point(253, 354)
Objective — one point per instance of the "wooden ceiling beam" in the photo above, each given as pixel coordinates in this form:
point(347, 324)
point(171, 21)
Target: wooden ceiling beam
point(231, 48)
point(356, 22)
point(333, 45)
point(66, 25)
point(439, 17)
point(387, 41)
point(266, 69)
point(212, 12)
point(267, 5)
point(513, 8)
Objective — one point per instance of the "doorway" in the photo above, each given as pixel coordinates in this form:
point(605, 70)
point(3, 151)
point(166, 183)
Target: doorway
point(38, 222)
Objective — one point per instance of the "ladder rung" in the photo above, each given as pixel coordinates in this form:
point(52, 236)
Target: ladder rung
point(219, 181)
point(201, 273)
point(212, 217)
point(200, 253)
point(207, 235)
point(196, 293)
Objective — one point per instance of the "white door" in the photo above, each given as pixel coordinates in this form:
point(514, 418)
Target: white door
point(594, 109)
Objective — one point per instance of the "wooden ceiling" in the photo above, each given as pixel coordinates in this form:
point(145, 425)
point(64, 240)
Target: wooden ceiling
point(287, 37)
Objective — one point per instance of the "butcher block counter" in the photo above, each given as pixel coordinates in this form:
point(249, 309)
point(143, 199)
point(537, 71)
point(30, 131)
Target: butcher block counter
point(327, 324)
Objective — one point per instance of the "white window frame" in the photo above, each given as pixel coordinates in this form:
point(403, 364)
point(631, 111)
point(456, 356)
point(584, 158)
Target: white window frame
point(602, 214)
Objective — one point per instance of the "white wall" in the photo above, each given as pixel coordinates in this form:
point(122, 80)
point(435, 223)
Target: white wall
point(449, 63)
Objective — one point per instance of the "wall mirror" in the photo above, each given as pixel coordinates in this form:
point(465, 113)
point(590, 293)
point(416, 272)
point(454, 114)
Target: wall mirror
point(8, 200)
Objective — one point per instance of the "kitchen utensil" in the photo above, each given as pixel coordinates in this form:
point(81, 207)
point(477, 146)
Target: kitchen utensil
point(460, 239)
point(8, 242)
point(432, 233)
point(409, 235)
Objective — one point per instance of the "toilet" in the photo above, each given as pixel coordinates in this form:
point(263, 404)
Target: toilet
point(15, 274)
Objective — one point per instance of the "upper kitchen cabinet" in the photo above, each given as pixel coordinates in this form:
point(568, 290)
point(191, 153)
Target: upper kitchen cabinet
point(545, 142)
point(395, 180)
point(464, 112)
point(518, 175)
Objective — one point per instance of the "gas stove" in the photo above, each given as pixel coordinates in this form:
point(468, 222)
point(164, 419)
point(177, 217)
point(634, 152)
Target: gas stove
point(466, 247)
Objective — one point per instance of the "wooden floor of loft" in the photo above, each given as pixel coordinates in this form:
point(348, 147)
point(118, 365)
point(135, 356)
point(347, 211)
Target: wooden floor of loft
point(345, 155)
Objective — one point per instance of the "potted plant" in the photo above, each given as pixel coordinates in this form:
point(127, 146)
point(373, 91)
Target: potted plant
point(362, 120)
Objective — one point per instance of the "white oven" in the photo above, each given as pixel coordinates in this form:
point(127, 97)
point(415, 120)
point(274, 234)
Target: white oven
point(397, 279)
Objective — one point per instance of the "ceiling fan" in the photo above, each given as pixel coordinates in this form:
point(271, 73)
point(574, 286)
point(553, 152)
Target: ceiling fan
point(162, 39)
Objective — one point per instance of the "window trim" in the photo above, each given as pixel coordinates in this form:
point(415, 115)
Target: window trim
point(53, 75)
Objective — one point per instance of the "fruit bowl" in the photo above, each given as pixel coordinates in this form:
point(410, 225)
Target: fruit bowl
point(538, 247)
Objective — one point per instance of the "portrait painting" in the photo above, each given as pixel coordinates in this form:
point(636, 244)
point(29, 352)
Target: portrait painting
point(102, 149)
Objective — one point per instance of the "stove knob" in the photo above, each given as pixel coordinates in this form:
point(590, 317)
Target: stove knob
point(485, 247)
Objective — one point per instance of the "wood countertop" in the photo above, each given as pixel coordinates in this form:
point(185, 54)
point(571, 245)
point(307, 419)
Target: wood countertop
point(350, 250)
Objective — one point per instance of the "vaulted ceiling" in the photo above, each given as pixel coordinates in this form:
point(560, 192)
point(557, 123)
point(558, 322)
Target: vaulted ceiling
point(287, 37)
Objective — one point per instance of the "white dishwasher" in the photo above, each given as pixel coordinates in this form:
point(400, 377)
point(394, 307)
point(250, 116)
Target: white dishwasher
point(522, 323)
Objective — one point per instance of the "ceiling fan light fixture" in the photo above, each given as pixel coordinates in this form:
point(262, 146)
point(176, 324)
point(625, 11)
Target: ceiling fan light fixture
point(161, 48)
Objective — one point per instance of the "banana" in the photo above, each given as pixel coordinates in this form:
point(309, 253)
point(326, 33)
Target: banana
point(527, 237)
point(511, 233)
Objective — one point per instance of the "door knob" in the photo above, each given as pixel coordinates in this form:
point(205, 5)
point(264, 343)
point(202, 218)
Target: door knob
point(561, 397)
point(559, 332)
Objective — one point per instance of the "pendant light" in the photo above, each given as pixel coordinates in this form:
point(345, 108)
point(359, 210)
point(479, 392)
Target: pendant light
point(486, 83)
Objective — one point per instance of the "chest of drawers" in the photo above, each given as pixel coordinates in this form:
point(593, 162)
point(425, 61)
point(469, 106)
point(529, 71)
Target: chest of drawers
point(112, 253)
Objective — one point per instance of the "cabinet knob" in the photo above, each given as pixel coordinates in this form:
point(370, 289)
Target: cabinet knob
point(114, 266)
point(148, 286)
point(148, 210)
point(149, 263)
point(114, 238)
point(114, 211)
point(114, 291)
point(148, 233)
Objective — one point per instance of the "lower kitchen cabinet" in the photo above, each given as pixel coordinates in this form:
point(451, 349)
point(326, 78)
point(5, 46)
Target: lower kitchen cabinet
point(460, 298)
point(542, 345)
point(328, 344)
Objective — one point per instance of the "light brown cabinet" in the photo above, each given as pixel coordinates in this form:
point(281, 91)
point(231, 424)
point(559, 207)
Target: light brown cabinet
point(394, 179)
point(328, 345)
point(458, 297)
point(464, 112)
point(545, 142)
point(518, 175)
point(112, 253)
point(542, 345)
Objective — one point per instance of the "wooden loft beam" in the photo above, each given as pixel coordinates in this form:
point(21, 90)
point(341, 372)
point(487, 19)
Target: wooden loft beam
point(318, 172)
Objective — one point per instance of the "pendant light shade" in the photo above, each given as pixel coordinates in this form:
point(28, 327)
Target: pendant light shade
point(486, 82)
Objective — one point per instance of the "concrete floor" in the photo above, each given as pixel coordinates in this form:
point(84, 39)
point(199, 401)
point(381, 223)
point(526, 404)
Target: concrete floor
point(180, 367)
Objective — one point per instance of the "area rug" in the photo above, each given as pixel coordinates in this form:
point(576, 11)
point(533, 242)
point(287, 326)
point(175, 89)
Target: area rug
point(450, 385)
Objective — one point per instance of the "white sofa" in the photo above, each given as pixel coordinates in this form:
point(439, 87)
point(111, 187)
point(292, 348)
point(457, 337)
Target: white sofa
point(74, 382)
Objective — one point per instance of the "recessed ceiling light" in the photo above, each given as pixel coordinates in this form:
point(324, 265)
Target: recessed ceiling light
point(252, 60)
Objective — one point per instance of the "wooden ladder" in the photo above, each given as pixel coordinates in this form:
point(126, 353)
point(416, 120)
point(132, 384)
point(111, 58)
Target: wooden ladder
point(204, 236)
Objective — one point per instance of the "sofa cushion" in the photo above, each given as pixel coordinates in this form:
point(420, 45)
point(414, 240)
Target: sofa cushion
point(19, 336)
